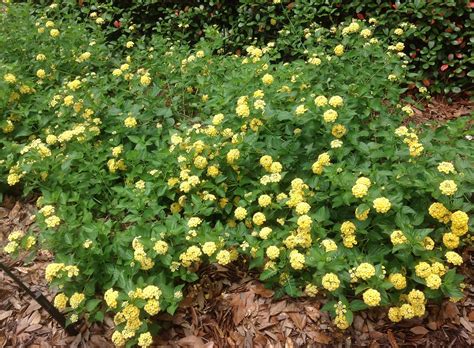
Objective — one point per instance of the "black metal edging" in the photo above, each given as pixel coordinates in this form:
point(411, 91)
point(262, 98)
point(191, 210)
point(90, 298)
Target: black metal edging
point(43, 302)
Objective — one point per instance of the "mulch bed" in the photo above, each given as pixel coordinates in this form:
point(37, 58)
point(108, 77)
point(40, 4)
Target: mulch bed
point(229, 308)
point(439, 110)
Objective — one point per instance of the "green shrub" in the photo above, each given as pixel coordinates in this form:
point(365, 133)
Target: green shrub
point(153, 159)
point(440, 48)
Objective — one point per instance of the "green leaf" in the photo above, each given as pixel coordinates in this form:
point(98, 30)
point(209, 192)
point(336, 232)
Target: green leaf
point(358, 305)
point(92, 304)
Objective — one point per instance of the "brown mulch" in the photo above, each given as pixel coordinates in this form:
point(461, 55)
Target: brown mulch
point(439, 110)
point(229, 308)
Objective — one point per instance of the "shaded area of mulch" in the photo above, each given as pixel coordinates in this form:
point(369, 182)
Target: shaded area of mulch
point(439, 110)
point(229, 308)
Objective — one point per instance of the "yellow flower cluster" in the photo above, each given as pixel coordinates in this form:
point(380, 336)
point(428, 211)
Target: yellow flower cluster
point(161, 247)
point(339, 50)
point(338, 130)
point(209, 248)
point(76, 300)
point(264, 201)
point(265, 233)
point(361, 187)
point(371, 297)
point(145, 340)
point(267, 79)
point(450, 240)
point(454, 258)
point(411, 139)
point(240, 213)
point(233, 155)
point(330, 116)
point(448, 187)
point(398, 280)
point(397, 237)
point(259, 218)
point(130, 122)
point(430, 273)
point(323, 160)
point(382, 205)
point(329, 245)
point(459, 223)
point(273, 252)
point(340, 319)
point(414, 308)
point(362, 214)
point(365, 271)
point(192, 254)
point(297, 260)
point(446, 168)
point(440, 212)
point(311, 290)
point(354, 27)
point(140, 255)
point(223, 257)
point(348, 234)
point(110, 297)
point(53, 270)
point(331, 282)
point(60, 301)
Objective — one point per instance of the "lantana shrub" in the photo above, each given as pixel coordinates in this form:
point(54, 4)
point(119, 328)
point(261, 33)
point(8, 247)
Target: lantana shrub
point(153, 159)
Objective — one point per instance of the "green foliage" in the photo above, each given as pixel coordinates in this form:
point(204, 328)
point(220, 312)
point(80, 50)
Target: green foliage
point(439, 49)
point(153, 158)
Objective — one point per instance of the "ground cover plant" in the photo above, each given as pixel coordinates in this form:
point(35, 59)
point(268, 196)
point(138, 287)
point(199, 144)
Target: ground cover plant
point(152, 158)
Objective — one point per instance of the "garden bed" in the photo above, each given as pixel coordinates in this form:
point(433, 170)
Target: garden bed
point(167, 179)
point(227, 308)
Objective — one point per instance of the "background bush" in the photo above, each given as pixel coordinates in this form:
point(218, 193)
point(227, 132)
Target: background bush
point(440, 49)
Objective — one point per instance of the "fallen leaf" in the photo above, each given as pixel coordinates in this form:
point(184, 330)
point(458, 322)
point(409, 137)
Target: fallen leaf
point(33, 327)
point(321, 338)
point(466, 324)
point(35, 318)
point(4, 315)
point(259, 289)
point(312, 312)
point(358, 323)
point(419, 330)
point(451, 311)
point(191, 341)
point(298, 319)
point(391, 339)
point(277, 308)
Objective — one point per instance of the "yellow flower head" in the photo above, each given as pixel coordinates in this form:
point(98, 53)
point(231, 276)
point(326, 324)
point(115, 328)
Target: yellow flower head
point(331, 282)
point(240, 213)
point(371, 297)
point(339, 50)
point(448, 187)
point(365, 271)
point(398, 280)
point(382, 205)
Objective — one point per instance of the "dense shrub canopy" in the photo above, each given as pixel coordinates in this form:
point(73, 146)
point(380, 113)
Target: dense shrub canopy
point(439, 50)
point(153, 158)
